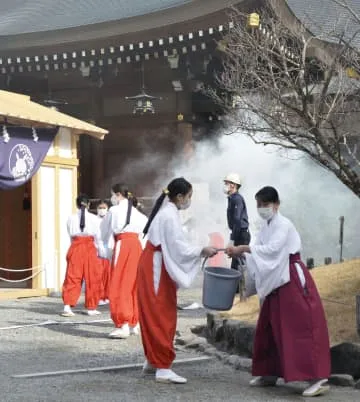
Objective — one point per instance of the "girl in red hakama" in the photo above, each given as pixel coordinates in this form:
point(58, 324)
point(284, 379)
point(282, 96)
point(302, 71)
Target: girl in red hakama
point(125, 223)
point(82, 260)
point(168, 261)
point(291, 339)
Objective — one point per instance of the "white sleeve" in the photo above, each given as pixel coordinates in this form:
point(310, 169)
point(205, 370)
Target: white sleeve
point(181, 259)
point(106, 231)
point(68, 224)
point(274, 247)
point(268, 263)
point(98, 240)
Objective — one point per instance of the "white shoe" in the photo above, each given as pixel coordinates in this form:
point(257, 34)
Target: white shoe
point(91, 313)
point(319, 388)
point(148, 368)
point(135, 330)
point(67, 312)
point(120, 333)
point(103, 302)
point(169, 377)
point(263, 382)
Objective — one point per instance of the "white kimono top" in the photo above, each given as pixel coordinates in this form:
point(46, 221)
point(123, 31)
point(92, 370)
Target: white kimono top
point(268, 264)
point(181, 258)
point(114, 221)
point(91, 228)
point(111, 243)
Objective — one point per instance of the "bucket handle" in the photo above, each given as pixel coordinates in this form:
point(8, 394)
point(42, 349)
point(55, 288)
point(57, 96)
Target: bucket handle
point(241, 262)
point(206, 258)
point(203, 264)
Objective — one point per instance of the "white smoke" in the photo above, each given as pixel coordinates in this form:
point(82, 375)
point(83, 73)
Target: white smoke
point(311, 197)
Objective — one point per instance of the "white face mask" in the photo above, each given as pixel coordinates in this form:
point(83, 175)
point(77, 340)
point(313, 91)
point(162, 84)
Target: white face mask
point(101, 212)
point(185, 205)
point(266, 212)
point(114, 200)
point(226, 189)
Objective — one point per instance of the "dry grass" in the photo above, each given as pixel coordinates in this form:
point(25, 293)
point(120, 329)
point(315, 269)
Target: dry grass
point(336, 283)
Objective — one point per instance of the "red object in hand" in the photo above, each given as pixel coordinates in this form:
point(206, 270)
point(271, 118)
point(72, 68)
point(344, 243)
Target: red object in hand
point(217, 241)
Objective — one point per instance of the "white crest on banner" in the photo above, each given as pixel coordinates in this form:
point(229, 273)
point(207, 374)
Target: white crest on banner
point(21, 162)
point(34, 133)
point(5, 135)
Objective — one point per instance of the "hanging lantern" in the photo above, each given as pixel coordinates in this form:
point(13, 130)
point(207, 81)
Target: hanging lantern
point(143, 101)
point(253, 20)
point(143, 106)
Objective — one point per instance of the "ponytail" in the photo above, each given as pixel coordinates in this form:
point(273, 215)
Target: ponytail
point(82, 217)
point(130, 198)
point(175, 187)
point(82, 202)
point(132, 201)
point(155, 210)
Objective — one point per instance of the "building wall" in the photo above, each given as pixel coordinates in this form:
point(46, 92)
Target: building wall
point(55, 188)
point(15, 230)
point(140, 154)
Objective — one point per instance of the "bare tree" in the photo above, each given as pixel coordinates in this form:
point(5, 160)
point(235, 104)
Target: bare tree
point(279, 91)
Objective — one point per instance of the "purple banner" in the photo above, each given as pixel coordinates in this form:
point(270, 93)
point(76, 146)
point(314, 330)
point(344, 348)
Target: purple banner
point(22, 151)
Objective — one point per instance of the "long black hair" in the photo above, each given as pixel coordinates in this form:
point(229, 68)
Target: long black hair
point(82, 202)
point(175, 187)
point(123, 189)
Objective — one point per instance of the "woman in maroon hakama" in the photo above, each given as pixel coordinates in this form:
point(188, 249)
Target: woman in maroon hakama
point(291, 339)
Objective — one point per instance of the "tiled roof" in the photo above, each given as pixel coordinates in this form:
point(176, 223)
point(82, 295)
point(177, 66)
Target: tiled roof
point(27, 16)
point(324, 17)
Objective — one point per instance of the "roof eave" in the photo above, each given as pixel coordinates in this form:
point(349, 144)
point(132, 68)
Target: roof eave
point(96, 32)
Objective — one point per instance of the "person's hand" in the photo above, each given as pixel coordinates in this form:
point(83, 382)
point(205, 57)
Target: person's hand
point(234, 251)
point(208, 251)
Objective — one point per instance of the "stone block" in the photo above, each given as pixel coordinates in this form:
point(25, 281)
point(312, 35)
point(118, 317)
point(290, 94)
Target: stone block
point(345, 359)
point(342, 380)
point(210, 351)
point(195, 343)
point(243, 339)
point(198, 329)
point(221, 355)
point(185, 340)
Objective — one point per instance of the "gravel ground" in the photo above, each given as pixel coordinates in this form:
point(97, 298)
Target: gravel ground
point(66, 347)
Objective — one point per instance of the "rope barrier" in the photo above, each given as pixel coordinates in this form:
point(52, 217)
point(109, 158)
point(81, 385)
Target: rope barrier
point(19, 270)
point(22, 280)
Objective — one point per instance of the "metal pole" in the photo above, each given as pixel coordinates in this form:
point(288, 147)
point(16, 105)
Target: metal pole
point(341, 237)
point(105, 369)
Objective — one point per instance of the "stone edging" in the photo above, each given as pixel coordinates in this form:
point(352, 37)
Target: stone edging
point(231, 342)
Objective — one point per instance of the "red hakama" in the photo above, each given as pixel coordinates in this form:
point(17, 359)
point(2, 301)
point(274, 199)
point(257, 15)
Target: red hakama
point(157, 311)
point(123, 286)
point(292, 340)
point(82, 264)
point(105, 284)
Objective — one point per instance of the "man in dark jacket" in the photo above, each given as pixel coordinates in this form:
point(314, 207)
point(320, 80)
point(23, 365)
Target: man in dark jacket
point(237, 216)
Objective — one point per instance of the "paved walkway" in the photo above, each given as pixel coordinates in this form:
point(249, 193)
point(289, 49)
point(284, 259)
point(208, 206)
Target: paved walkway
point(63, 346)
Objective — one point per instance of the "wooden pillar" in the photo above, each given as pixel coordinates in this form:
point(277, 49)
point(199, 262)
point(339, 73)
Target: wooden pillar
point(86, 165)
point(185, 133)
point(97, 148)
point(97, 151)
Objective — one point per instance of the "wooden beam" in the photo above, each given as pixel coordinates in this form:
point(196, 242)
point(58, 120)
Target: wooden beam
point(9, 294)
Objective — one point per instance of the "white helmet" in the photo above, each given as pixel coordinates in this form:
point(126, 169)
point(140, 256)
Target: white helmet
point(233, 178)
